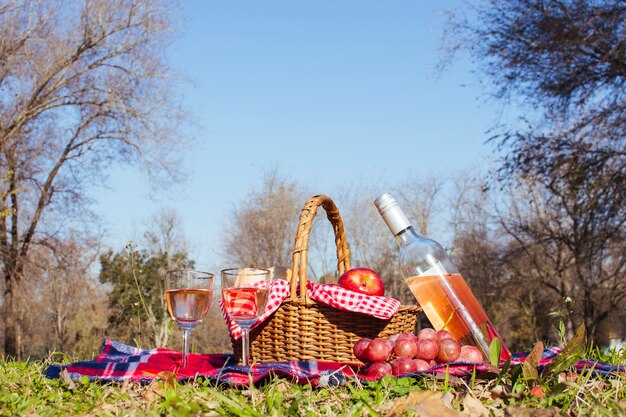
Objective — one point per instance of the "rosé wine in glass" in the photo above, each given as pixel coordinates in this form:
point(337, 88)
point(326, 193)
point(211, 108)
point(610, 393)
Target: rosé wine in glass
point(188, 294)
point(245, 293)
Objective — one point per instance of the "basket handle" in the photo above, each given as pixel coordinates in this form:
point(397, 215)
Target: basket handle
point(301, 245)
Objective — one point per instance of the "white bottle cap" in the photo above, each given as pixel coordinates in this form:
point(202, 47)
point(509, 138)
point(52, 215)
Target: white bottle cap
point(392, 213)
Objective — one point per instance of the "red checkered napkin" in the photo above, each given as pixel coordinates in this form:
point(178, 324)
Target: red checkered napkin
point(342, 299)
point(279, 290)
point(329, 294)
point(241, 301)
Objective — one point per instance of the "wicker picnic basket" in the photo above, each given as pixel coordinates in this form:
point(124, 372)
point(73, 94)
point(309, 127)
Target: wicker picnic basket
point(303, 329)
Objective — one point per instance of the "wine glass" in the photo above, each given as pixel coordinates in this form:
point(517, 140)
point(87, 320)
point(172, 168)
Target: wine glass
point(188, 294)
point(244, 296)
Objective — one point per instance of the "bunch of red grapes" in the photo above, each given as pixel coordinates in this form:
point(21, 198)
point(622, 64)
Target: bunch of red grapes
point(406, 353)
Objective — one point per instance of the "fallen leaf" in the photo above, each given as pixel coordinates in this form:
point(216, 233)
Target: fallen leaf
point(169, 378)
point(424, 404)
point(473, 407)
point(447, 399)
point(529, 369)
point(156, 389)
point(65, 376)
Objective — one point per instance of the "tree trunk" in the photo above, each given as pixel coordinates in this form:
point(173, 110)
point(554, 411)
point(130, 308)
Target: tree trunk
point(60, 333)
point(11, 325)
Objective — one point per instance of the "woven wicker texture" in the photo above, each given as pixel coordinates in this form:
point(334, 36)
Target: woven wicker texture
point(302, 329)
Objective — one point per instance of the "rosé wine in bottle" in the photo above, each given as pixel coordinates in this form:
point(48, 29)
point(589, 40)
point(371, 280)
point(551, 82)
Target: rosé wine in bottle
point(439, 288)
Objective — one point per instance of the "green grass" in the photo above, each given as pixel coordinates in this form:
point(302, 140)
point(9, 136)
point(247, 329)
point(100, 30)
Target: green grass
point(24, 391)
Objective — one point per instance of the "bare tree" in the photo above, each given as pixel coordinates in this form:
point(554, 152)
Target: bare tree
point(165, 235)
point(68, 286)
point(479, 249)
point(574, 254)
point(166, 241)
point(566, 60)
point(261, 229)
point(83, 86)
point(419, 198)
point(477, 244)
point(59, 303)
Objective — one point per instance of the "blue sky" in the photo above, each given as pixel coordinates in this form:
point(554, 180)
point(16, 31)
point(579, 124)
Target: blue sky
point(332, 93)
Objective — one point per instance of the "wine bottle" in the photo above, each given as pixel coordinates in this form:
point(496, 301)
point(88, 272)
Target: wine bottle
point(439, 288)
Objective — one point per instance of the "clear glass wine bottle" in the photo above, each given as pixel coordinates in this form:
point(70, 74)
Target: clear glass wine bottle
point(439, 288)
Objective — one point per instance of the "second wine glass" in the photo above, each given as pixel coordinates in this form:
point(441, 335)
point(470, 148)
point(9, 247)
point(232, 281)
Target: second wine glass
point(244, 296)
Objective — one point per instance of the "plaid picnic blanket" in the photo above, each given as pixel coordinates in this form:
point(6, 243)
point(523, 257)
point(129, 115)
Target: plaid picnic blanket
point(330, 294)
point(120, 362)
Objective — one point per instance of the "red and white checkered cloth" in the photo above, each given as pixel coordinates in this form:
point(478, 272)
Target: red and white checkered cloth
point(241, 301)
point(329, 294)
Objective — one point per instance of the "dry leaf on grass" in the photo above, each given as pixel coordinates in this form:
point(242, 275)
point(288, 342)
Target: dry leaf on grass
point(425, 404)
point(474, 408)
point(169, 378)
point(153, 393)
point(65, 376)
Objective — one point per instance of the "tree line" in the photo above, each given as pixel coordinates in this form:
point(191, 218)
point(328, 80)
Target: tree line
point(84, 85)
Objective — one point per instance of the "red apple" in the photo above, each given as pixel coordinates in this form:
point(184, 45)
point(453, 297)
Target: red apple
point(403, 366)
point(407, 336)
point(378, 350)
point(449, 350)
point(421, 365)
point(427, 349)
point(362, 280)
point(427, 333)
point(378, 369)
point(470, 353)
point(359, 348)
point(392, 340)
point(444, 334)
point(405, 347)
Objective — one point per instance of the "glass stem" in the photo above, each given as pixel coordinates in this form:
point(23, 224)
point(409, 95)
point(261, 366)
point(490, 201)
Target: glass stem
point(245, 344)
point(185, 346)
